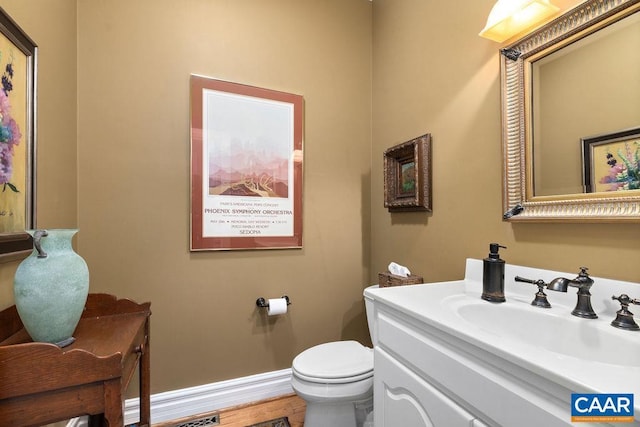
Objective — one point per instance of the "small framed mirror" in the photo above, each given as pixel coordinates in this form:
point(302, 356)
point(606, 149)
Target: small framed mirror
point(574, 80)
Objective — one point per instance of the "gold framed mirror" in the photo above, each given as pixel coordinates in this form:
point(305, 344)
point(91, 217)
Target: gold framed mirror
point(558, 96)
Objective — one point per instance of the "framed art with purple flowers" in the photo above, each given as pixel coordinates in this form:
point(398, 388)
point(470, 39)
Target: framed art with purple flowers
point(17, 139)
point(611, 162)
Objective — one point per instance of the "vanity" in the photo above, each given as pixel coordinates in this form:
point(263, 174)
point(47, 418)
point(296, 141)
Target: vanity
point(445, 357)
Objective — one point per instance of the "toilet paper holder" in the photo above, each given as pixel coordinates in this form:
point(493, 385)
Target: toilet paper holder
point(262, 303)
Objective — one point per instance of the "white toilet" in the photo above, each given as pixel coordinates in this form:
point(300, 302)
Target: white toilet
point(335, 380)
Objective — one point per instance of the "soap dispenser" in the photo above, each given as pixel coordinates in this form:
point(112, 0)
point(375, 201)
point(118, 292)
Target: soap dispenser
point(493, 275)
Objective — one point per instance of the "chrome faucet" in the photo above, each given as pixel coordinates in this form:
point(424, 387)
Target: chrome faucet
point(583, 282)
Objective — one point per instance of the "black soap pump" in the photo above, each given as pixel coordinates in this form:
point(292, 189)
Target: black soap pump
point(493, 275)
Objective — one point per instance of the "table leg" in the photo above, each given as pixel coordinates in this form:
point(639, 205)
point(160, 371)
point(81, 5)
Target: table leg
point(96, 420)
point(113, 405)
point(144, 371)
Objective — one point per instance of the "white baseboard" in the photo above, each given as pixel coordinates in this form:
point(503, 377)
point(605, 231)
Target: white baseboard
point(188, 402)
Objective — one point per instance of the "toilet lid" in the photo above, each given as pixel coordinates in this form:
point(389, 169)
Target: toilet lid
point(335, 360)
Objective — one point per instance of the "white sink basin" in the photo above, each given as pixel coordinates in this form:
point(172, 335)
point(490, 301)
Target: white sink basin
point(555, 331)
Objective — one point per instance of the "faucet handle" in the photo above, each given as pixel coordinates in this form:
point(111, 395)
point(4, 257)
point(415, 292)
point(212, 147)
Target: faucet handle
point(540, 299)
point(624, 318)
point(583, 275)
point(625, 300)
point(533, 282)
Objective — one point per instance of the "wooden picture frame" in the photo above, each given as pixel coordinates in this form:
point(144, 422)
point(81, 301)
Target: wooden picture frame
point(407, 176)
point(611, 162)
point(17, 139)
point(246, 167)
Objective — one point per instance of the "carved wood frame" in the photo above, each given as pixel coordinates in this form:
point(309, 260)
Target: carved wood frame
point(417, 154)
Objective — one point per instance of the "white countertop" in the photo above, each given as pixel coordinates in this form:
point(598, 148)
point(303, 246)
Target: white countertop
point(583, 355)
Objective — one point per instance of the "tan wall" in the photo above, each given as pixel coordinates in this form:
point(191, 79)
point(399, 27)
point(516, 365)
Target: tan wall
point(134, 62)
point(432, 73)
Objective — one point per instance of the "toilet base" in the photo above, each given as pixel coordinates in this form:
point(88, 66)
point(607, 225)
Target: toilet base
point(338, 414)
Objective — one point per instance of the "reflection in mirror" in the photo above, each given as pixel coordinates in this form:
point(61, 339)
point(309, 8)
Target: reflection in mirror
point(571, 80)
point(588, 88)
point(611, 161)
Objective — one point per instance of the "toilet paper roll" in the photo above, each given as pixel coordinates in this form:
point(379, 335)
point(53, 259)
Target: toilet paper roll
point(277, 306)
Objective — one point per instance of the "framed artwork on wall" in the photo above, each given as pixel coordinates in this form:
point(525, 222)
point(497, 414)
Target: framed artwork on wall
point(407, 176)
point(611, 162)
point(17, 139)
point(246, 166)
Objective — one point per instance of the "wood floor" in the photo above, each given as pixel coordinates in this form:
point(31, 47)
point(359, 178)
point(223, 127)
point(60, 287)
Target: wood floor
point(290, 406)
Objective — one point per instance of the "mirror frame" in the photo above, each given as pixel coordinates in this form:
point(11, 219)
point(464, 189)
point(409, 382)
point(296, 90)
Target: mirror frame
point(519, 202)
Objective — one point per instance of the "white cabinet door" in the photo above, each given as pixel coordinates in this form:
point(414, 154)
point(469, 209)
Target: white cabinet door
point(402, 398)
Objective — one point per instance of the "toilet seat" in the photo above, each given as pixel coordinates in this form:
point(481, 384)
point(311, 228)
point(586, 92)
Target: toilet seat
point(338, 362)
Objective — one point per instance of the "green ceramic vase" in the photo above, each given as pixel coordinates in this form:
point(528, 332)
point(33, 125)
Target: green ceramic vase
point(51, 287)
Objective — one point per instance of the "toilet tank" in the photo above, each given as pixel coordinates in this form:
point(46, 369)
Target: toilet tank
point(368, 305)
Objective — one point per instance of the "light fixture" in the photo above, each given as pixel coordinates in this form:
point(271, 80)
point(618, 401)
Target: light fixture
point(510, 17)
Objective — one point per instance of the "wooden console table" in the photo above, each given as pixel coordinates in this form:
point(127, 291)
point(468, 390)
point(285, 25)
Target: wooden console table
point(41, 383)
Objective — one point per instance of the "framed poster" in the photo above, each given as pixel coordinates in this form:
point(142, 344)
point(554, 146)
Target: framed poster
point(246, 167)
point(17, 139)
